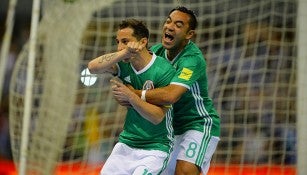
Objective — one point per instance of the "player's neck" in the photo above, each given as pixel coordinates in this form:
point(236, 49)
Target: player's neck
point(173, 53)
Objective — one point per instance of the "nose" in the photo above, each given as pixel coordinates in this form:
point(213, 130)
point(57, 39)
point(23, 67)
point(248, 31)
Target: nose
point(169, 26)
point(120, 46)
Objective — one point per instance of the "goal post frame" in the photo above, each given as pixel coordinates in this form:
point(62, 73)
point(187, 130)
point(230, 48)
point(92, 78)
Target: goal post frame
point(6, 42)
point(301, 87)
point(29, 87)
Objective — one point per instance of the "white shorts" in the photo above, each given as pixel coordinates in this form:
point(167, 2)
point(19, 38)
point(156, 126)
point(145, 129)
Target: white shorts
point(192, 146)
point(126, 160)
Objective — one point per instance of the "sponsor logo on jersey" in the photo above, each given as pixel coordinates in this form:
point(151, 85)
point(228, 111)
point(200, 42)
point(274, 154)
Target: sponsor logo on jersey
point(148, 85)
point(185, 74)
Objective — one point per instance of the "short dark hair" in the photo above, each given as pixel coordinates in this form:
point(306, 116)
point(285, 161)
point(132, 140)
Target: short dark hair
point(140, 30)
point(193, 20)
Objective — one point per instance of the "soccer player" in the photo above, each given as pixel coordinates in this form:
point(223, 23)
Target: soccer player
point(196, 122)
point(147, 137)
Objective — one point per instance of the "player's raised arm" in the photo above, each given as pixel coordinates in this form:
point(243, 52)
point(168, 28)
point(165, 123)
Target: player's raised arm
point(106, 62)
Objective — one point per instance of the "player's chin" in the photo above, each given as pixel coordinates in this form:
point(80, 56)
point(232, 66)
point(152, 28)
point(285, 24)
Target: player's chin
point(167, 45)
point(126, 60)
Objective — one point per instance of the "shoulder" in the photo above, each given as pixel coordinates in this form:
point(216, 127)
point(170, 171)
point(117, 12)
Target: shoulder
point(162, 62)
point(163, 66)
point(157, 47)
point(192, 56)
point(193, 50)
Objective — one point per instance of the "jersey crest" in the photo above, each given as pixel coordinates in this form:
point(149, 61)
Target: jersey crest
point(148, 85)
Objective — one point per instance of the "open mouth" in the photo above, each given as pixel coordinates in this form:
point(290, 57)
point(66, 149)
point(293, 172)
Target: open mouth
point(168, 37)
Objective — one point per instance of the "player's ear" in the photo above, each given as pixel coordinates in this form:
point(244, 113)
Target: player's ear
point(144, 41)
point(190, 34)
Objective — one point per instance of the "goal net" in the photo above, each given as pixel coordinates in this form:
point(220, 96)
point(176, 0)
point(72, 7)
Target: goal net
point(250, 49)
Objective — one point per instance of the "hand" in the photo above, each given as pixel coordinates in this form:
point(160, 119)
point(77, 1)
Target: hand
point(130, 87)
point(133, 49)
point(120, 92)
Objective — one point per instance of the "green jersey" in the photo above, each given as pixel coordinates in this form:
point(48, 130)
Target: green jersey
point(139, 132)
point(194, 110)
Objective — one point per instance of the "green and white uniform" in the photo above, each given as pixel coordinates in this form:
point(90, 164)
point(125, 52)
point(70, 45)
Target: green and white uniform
point(195, 110)
point(139, 132)
point(140, 136)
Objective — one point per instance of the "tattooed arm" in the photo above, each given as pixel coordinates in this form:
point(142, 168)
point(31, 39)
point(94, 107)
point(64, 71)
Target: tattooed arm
point(106, 63)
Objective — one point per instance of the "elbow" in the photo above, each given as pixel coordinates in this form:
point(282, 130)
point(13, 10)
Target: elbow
point(157, 121)
point(91, 67)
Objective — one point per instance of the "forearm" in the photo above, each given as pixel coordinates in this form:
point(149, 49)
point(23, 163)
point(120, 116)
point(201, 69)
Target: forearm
point(152, 113)
point(158, 96)
point(164, 96)
point(105, 62)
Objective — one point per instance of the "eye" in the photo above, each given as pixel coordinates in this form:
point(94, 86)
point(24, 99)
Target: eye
point(125, 41)
point(179, 24)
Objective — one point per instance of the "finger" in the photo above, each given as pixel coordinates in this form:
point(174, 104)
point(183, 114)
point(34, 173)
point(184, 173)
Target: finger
point(113, 87)
point(116, 83)
point(113, 83)
point(116, 78)
point(131, 47)
point(141, 46)
point(130, 87)
point(115, 90)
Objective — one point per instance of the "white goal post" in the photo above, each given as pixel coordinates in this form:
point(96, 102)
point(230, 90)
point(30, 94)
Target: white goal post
point(255, 63)
point(301, 87)
point(6, 43)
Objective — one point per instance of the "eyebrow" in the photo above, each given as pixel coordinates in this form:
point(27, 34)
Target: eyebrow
point(178, 21)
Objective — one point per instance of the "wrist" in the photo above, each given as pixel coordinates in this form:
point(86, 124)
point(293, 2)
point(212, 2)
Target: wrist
point(143, 95)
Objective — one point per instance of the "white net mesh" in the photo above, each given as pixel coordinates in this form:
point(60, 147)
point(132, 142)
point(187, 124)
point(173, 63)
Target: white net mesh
point(250, 50)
